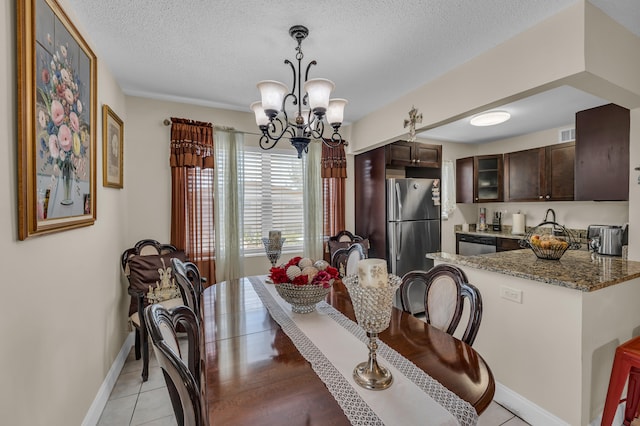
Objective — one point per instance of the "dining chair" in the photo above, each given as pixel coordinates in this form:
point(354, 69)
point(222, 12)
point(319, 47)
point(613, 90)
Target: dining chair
point(148, 270)
point(344, 239)
point(189, 282)
point(345, 260)
point(183, 378)
point(444, 289)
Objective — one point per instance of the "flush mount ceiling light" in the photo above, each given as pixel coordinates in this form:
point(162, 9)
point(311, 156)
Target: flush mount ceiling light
point(490, 118)
point(273, 119)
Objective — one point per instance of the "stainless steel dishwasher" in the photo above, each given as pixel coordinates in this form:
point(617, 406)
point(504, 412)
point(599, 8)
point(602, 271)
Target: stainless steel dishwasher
point(470, 245)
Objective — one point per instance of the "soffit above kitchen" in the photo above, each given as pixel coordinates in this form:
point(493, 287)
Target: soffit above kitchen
point(546, 110)
point(213, 53)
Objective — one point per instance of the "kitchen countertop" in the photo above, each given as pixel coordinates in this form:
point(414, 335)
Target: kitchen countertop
point(577, 269)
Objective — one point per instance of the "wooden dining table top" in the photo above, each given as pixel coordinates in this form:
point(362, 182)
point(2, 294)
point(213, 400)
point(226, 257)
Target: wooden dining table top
point(254, 375)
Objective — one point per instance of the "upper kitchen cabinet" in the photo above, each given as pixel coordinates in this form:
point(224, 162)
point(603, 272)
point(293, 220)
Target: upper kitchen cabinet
point(413, 154)
point(602, 154)
point(540, 174)
point(479, 179)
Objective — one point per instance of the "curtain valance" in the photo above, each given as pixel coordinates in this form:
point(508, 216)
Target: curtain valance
point(334, 162)
point(191, 144)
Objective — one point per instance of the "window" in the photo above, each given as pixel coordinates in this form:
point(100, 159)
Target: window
point(272, 198)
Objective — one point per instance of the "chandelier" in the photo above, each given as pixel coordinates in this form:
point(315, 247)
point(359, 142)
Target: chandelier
point(274, 120)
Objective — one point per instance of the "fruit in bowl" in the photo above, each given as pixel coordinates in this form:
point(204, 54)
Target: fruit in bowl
point(549, 242)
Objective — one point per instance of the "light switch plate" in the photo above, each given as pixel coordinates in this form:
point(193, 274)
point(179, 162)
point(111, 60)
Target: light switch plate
point(511, 294)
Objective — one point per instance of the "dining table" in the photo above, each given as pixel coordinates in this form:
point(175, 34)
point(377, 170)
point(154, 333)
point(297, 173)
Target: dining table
point(256, 371)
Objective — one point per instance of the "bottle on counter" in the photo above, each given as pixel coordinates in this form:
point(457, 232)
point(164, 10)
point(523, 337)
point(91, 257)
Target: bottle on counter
point(482, 221)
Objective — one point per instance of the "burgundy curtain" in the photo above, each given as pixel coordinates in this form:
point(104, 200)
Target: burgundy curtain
point(192, 178)
point(334, 175)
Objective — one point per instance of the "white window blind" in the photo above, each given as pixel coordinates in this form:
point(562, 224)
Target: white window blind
point(272, 198)
point(199, 202)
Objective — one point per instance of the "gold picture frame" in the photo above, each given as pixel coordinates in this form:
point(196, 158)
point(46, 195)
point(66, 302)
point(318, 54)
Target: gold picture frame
point(57, 87)
point(112, 148)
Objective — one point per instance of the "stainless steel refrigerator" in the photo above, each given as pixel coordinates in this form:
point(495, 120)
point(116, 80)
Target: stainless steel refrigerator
point(413, 223)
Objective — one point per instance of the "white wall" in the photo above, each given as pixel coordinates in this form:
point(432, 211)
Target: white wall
point(64, 305)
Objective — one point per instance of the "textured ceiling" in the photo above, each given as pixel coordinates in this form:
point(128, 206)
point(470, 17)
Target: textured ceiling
point(213, 52)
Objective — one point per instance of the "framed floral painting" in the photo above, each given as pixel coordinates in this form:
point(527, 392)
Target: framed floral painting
point(56, 121)
point(112, 149)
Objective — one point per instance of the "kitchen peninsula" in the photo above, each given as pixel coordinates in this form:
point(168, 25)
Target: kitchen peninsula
point(550, 328)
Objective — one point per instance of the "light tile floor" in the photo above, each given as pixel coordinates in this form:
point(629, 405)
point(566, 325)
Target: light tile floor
point(134, 403)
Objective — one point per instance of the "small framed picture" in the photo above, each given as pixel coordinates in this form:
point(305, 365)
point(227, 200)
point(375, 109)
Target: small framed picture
point(112, 144)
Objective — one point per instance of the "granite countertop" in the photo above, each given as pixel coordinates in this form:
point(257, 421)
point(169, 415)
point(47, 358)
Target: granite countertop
point(577, 269)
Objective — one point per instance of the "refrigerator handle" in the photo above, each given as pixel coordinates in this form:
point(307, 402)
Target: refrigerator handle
point(398, 240)
point(398, 202)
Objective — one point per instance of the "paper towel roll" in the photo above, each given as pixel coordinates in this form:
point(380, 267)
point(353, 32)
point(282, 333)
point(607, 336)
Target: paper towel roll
point(518, 224)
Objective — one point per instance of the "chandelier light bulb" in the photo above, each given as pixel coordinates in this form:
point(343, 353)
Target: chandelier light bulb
point(335, 112)
point(261, 117)
point(319, 90)
point(273, 93)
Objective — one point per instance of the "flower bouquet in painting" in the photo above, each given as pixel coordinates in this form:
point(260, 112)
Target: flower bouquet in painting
point(303, 283)
point(62, 127)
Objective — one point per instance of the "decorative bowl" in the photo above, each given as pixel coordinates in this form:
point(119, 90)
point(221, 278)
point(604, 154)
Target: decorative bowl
point(549, 241)
point(303, 298)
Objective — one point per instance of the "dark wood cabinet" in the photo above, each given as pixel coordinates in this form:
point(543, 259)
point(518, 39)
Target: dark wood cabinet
point(560, 173)
point(540, 174)
point(506, 244)
point(465, 180)
point(602, 154)
point(370, 200)
point(479, 179)
point(413, 154)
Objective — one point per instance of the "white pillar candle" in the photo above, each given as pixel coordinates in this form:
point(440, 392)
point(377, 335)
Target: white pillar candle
point(372, 273)
point(274, 235)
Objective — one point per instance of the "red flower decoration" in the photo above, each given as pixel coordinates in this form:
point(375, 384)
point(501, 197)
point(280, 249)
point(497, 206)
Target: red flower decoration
point(301, 280)
point(293, 262)
point(278, 275)
point(324, 278)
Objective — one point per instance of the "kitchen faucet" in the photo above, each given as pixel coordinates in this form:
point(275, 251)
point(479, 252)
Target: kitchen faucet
point(554, 229)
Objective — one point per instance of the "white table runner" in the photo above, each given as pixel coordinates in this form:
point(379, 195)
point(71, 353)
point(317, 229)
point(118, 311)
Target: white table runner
point(333, 352)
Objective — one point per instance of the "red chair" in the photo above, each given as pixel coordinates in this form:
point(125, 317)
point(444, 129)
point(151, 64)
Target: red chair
point(626, 364)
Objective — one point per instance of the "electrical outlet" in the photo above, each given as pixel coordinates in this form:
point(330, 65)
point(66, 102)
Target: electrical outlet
point(511, 294)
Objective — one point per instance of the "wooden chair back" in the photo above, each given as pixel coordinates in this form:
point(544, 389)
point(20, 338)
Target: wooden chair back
point(345, 260)
point(445, 289)
point(183, 379)
point(189, 282)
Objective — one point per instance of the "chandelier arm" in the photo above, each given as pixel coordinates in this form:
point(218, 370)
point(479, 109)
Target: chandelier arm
point(266, 143)
point(306, 74)
point(293, 88)
point(317, 128)
point(275, 132)
point(335, 141)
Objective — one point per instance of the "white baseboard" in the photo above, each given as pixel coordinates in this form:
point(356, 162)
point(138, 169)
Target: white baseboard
point(93, 415)
point(525, 409)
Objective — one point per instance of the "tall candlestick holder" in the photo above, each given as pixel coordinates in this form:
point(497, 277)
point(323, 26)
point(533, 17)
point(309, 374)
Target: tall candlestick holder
point(372, 306)
point(273, 248)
